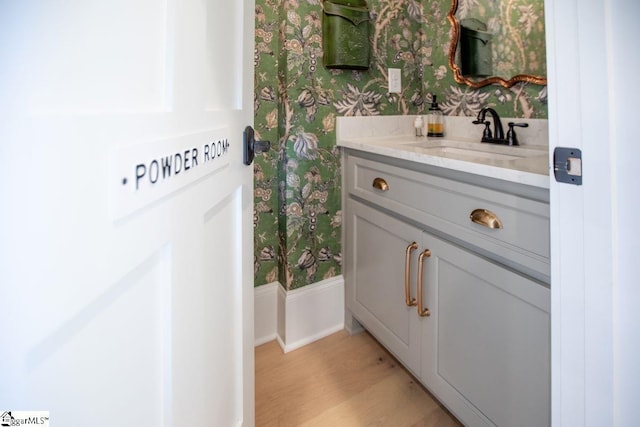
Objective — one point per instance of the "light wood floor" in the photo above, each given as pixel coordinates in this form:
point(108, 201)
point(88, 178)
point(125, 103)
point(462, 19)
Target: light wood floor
point(341, 381)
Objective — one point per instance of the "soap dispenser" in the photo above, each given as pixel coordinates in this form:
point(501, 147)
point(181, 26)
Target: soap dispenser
point(435, 120)
point(418, 124)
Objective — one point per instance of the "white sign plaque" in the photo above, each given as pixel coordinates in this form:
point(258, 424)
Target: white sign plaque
point(146, 172)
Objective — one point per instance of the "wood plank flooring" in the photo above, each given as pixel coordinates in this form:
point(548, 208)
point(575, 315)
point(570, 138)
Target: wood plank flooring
point(341, 381)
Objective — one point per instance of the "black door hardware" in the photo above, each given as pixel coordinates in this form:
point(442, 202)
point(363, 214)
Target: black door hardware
point(251, 146)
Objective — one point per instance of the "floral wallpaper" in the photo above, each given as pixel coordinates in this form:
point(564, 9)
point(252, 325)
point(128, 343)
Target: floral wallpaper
point(298, 212)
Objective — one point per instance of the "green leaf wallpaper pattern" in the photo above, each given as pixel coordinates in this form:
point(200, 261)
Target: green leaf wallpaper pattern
point(298, 212)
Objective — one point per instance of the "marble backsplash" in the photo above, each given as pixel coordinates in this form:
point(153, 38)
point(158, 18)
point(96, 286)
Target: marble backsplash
point(456, 127)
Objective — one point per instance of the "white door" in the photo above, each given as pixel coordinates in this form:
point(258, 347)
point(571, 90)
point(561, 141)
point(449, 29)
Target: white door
point(126, 211)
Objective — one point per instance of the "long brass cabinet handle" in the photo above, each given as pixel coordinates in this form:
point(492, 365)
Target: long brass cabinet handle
point(422, 312)
point(407, 275)
point(380, 184)
point(486, 218)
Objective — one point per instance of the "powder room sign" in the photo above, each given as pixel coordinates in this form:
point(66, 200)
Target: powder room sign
point(144, 173)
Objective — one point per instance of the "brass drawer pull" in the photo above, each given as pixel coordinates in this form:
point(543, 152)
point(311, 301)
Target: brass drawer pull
point(407, 275)
point(486, 218)
point(380, 184)
point(422, 312)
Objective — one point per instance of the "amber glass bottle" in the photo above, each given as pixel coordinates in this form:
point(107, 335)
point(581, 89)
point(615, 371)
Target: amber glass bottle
point(435, 120)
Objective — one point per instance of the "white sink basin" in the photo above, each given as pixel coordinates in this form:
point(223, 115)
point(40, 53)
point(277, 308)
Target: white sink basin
point(463, 152)
point(476, 151)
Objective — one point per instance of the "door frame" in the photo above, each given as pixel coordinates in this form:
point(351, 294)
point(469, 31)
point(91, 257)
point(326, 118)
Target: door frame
point(592, 288)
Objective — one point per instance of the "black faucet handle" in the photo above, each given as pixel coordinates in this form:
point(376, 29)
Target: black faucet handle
point(512, 139)
point(520, 125)
point(486, 133)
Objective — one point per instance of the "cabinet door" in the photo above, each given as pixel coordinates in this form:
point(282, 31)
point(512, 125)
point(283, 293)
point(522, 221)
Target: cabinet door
point(376, 246)
point(486, 345)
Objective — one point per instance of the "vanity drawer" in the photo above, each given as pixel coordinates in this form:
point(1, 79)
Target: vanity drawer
point(446, 205)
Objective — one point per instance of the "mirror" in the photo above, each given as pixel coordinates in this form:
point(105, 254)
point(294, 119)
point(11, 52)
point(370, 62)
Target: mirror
point(497, 42)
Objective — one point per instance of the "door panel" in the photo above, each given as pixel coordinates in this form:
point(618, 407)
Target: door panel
point(145, 315)
point(99, 57)
point(223, 89)
point(120, 338)
point(223, 306)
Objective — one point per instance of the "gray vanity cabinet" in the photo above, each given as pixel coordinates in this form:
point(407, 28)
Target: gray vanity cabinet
point(377, 246)
point(484, 347)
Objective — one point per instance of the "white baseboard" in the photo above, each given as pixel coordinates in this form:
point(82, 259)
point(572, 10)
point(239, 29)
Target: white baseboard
point(311, 313)
point(265, 313)
point(303, 315)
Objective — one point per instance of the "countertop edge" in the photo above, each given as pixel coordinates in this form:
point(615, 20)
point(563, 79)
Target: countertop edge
point(385, 147)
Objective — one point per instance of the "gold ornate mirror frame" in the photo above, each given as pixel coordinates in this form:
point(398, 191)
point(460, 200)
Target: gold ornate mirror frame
point(457, 72)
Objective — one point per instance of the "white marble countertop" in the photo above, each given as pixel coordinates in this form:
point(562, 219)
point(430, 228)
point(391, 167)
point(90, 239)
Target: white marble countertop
point(525, 164)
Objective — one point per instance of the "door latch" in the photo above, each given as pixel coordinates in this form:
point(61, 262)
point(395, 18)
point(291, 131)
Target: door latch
point(567, 165)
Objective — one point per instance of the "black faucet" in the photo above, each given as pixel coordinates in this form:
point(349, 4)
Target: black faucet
point(487, 136)
point(499, 138)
